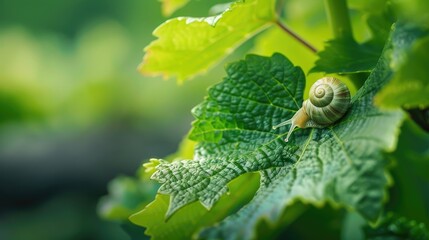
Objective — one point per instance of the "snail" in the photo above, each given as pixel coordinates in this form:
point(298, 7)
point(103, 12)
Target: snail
point(329, 100)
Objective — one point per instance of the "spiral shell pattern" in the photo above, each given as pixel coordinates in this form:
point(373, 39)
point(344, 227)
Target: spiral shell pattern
point(328, 102)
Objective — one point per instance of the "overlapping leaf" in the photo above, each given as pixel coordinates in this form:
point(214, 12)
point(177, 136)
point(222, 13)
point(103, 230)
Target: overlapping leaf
point(411, 173)
point(186, 223)
point(410, 86)
point(234, 124)
point(345, 56)
point(188, 46)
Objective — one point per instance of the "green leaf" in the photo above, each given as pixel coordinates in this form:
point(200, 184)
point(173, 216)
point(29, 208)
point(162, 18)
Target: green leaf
point(345, 56)
point(409, 87)
point(410, 174)
point(170, 6)
point(193, 217)
point(181, 41)
point(395, 227)
point(410, 164)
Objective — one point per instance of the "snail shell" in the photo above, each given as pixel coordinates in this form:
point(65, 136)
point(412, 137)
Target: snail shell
point(329, 100)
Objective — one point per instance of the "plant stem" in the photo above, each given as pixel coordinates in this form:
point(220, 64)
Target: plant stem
point(339, 19)
point(295, 36)
point(338, 16)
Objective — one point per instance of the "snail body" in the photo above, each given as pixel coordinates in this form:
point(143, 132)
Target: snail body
point(329, 100)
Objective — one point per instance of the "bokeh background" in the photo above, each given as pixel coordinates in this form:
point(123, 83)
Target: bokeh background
point(75, 113)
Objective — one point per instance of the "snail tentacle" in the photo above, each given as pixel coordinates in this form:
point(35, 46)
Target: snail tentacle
point(299, 119)
point(287, 122)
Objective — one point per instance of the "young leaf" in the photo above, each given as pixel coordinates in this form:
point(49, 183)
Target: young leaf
point(345, 56)
point(409, 87)
point(410, 174)
point(193, 217)
point(187, 46)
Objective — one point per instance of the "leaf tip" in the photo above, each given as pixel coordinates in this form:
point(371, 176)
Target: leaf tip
point(172, 208)
point(143, 67)
point(151, 166)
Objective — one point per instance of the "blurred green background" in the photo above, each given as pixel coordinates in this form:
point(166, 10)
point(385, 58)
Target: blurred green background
point(75, 113)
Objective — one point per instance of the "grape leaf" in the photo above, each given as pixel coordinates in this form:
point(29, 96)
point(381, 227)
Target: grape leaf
point(409, 87)
point(342, 165)
point(170, 6)
point(346, 56)
point(410, 174)
point(193, 217)
point(181, 41)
